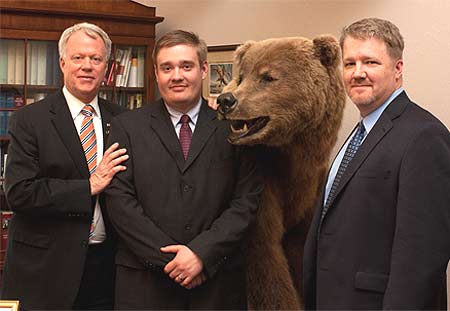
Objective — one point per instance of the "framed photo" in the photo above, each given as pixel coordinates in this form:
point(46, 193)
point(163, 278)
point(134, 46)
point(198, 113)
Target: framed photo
point(220, 69)
point(9, 305)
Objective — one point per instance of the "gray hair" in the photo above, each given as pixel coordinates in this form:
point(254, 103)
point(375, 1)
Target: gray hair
point(376, 28)
point(91, 30)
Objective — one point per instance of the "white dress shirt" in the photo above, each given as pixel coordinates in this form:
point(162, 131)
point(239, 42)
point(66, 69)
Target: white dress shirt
point(75, 107)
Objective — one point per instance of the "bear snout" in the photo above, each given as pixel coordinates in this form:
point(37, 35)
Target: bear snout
point(226, 102)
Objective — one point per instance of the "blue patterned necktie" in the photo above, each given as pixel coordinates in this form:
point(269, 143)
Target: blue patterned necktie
point(350, 152)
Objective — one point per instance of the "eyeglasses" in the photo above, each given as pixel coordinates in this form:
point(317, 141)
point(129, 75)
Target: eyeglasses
point(79, 59)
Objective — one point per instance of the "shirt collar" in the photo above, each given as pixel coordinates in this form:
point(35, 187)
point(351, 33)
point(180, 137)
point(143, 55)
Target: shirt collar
point(75, 105)
point(372, 118)
point(193, 113)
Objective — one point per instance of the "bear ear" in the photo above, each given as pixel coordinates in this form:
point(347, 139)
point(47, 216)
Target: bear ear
point(241, 50)
point(327, 49)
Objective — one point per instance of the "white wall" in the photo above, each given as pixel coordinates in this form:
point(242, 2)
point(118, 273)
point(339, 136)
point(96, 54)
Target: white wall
point(425, 26)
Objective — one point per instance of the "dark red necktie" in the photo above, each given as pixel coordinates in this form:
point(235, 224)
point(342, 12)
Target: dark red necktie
point(185, 135)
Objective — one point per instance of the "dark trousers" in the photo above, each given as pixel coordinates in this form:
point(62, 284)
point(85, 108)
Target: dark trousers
point(97, 284)
point(138, 289)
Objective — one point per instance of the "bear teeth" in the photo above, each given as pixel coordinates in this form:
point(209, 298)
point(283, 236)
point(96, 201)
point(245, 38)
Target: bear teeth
point(244, 129)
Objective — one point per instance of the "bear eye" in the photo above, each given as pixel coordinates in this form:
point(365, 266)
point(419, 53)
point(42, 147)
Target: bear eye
point(266, 78)
point(239, 79)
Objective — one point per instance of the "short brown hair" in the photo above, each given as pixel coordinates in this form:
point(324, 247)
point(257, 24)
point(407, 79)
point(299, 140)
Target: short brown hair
point(178, 37)
point(376, 28)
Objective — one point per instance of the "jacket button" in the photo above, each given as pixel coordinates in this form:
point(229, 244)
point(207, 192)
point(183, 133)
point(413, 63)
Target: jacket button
point(188, 227)
point(186, 188)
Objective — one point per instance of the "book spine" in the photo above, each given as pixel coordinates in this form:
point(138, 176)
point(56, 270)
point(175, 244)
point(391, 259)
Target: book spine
point(141, 67)
point(4, 62)
point(11, 61)
point(132, 82)
point(42, 63)
point(34, 62)
point(20, 62)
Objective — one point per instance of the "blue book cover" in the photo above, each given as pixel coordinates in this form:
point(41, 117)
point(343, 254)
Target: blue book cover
point(2, 99)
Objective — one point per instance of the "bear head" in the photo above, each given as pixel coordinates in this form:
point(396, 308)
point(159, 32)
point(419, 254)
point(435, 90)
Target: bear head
point(286, 87)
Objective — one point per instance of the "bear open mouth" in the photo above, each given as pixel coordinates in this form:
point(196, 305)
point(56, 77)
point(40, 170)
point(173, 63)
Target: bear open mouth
point(242, 128)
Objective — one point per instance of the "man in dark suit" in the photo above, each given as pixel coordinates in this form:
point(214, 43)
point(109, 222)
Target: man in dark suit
point(380, 237)
point(61, 247)
point(183, 207)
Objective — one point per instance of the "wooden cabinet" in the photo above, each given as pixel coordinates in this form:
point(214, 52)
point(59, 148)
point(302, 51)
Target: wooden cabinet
point(30, 29)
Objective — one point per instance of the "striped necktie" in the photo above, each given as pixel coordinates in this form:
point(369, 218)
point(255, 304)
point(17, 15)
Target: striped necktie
point(89, 143)
point(350, 152)
point(88, 138)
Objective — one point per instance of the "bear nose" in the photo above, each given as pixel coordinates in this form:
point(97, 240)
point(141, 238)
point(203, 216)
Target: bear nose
point(226, 102)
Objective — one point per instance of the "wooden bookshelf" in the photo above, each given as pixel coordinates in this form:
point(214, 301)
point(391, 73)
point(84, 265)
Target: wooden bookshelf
point(30, 23)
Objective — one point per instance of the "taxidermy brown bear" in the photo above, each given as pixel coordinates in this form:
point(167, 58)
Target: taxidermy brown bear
point(288, 97)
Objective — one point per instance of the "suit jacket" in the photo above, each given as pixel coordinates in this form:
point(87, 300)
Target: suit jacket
point(47, 187)
point(206, 202)
point(385, 241)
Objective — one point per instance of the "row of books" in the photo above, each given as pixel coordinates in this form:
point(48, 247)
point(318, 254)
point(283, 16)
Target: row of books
point(42, 63)
point(130, 101)
point(11, 99)
point(128, 68)
point(4, 121)
point(124, 99)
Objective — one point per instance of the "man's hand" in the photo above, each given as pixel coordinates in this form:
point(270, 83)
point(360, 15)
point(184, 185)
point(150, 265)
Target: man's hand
point(185, 268)
point(108, 167)
point(198, 280)
point(212, 103)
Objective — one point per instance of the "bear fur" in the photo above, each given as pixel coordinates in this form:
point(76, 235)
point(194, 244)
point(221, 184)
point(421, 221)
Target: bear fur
point(289, 99)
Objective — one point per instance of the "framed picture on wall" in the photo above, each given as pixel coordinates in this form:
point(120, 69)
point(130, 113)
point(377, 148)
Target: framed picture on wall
point(9, 305)
point(220, 69)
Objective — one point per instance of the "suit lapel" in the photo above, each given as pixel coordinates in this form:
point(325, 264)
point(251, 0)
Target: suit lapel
point(163, 127)
point(63, 122)
point(203, 129)
point(106, 121)
point(380, 129)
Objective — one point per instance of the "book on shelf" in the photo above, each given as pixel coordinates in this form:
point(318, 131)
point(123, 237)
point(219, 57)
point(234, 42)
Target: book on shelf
point(3, 62)
point(127, 66)
point(34, 51)
point(138, 100)
point(119, 66)
point(19, 63)
point(28, 62)
point(11, 73)
point(49, 68)
point(140, 67)
point(11, 99)
point(132, 80)
point(42, 63)
point(110, 74)
point(4, 121)
point(4, 157)
point(56, 69)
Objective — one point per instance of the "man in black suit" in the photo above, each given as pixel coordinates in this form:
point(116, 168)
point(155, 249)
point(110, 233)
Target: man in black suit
point(61, 246)
point(182, 210)
point(380, 237)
